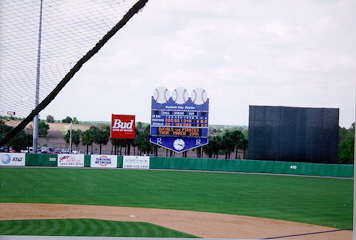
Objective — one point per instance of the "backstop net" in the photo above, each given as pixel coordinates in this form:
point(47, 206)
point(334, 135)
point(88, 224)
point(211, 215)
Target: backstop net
point(50, 39)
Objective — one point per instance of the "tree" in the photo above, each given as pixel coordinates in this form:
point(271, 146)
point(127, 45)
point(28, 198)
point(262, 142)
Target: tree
point(213, 147)
point(75, 120)
point(43, 129)
point(233, 141)
point(243, 145)
point(346, 145)
point(50, 119)
point(142, 139)
point(346, 151)
point(139, 125)
point(117, 143)
point(88, 138)
point(227, 144)
point(230, 141)
point(238, 139)
point(21, 141)
point(102, 135)
point(76, 137)
point(67, 137)
point(67, 120)
point(207, 149)
point(4, 129)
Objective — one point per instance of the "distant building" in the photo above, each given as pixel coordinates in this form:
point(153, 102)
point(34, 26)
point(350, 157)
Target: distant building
point(293, 134)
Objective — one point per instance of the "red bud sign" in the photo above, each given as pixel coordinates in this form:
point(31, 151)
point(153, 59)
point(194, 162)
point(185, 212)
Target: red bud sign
point(122, 126)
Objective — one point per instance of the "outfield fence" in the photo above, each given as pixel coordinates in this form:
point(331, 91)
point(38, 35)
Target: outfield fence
point(201, 164)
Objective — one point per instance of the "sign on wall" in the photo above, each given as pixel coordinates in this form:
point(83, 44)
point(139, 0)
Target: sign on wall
point(12, 159)
point(137, 162)
point(70, 160)
point(179, 121)
point(103, 161)
point(122, 126)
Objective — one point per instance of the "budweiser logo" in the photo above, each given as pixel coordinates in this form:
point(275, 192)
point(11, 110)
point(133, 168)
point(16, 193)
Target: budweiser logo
point(118, 124)
point(122, 126)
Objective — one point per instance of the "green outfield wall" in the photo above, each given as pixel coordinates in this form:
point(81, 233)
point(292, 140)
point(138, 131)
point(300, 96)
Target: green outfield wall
point(200, 164)
point(45, 160)
point(253, 166)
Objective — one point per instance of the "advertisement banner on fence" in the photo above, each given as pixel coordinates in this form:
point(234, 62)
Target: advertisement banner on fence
point(70, 160)
point(138, 162)
point(12, 159)
point(103, 161)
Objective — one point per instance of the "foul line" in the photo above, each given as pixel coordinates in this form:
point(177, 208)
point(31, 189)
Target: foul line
point(302, 234)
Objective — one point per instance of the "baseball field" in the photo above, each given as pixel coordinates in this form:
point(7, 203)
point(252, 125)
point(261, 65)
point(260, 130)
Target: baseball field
point(157, 203)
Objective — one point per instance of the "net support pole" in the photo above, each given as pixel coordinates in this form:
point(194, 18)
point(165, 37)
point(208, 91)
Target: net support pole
point(38, 75)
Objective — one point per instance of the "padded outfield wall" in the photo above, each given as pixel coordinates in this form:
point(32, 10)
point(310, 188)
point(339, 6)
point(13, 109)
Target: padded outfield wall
point(293, 134)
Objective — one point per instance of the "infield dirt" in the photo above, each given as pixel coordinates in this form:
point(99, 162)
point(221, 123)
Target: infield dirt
point(200, 224)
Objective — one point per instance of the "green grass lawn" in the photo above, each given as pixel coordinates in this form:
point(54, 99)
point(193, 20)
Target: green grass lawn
point(87, 227)
point(321, 201)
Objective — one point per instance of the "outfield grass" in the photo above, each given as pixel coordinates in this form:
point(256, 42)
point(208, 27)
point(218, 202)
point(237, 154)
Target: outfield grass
point(321, 201)
point(87, 228)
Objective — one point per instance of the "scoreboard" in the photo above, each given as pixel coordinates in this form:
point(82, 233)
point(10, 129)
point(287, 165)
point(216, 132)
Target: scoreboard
point(179, 117)
point(179, 123)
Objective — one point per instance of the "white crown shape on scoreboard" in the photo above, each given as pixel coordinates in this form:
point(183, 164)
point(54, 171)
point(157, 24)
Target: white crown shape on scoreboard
point(180, 95)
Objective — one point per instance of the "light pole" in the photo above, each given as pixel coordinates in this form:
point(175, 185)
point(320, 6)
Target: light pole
point(36, 118)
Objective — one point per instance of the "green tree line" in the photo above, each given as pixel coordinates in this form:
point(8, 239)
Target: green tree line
point(99, 134)
point(224, 143)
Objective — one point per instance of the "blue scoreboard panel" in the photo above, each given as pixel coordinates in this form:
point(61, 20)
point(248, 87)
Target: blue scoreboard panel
point(182, 121)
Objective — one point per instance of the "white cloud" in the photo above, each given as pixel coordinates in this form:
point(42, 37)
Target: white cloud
point(320, 62)
point(281, 33)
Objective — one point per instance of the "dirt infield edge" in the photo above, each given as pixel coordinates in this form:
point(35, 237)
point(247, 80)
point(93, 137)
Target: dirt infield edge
point(201, 224)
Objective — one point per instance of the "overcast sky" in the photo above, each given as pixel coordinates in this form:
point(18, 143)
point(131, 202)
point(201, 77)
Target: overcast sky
point(278, 53)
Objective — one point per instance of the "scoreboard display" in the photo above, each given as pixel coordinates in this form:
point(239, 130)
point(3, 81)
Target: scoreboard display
point(179, 123)
point(176, 131)
point(179, 115)
point(180, 118)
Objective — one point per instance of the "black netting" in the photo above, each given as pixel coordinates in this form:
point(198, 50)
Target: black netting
point(69, 30)
point(72, 34)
